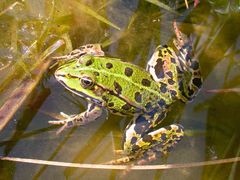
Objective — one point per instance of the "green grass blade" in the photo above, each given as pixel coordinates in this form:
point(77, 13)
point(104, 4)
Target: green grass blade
point(162, 5)
point(92, 13)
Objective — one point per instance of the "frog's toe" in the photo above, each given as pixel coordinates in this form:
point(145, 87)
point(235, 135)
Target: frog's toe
point(122, 160)
point(66, 119)
point(61, 129)
point(67, 122)
point(57, 122)
point(66, 116)
point(119, 152)
point(64, 124)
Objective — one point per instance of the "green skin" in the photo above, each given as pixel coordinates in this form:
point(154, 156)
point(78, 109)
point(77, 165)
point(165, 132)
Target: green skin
point(126, 89)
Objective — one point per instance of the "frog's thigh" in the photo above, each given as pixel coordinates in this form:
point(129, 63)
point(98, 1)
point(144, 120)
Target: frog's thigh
point(134, 131)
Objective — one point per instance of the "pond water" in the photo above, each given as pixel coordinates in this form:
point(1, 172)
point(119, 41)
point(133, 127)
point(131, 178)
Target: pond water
point(211, 120)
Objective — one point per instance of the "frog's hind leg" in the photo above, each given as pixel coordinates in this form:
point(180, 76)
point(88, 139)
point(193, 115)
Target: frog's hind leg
point(162, 65)
point(151, 145)
point(91, 114)
point(141, 134)
point(191, 80)
point(164, 68)
point(179, 71)
point(162, 141)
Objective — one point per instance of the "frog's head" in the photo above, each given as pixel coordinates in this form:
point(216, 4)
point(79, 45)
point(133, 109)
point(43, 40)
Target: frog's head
point(80, 79)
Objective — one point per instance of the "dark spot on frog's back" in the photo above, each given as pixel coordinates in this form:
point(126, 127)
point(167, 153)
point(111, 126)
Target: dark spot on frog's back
point(109, 65)
point(89, 62)
point(111, 104)
point(128, 71)
point(105, 98)
point(96, 73)
point(138, 97)
point(118, 87)
point(146, 82)
point(126, 107)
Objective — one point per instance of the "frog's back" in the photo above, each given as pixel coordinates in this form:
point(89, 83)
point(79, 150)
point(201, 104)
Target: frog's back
point(128, 81)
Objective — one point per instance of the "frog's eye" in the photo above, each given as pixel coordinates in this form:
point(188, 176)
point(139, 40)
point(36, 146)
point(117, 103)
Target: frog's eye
point(86, 82)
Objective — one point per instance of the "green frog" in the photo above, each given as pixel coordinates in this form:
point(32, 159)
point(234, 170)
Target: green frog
point(126, 89)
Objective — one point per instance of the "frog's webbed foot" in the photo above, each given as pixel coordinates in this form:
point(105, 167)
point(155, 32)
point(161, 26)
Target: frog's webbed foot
point(91, 114)
point(68, 121)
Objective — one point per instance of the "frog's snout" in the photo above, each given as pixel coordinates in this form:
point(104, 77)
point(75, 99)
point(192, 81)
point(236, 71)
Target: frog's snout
point(59, 74)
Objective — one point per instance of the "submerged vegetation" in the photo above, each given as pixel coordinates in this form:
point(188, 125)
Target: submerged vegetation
point(31, 32)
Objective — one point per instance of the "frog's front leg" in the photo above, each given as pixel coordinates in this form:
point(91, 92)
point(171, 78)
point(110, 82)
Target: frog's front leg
point(92, 113)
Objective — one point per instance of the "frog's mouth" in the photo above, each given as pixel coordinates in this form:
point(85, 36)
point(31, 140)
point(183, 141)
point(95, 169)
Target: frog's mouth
point(61, 77)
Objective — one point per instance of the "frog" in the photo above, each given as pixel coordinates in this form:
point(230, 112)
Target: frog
point(126, 89)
